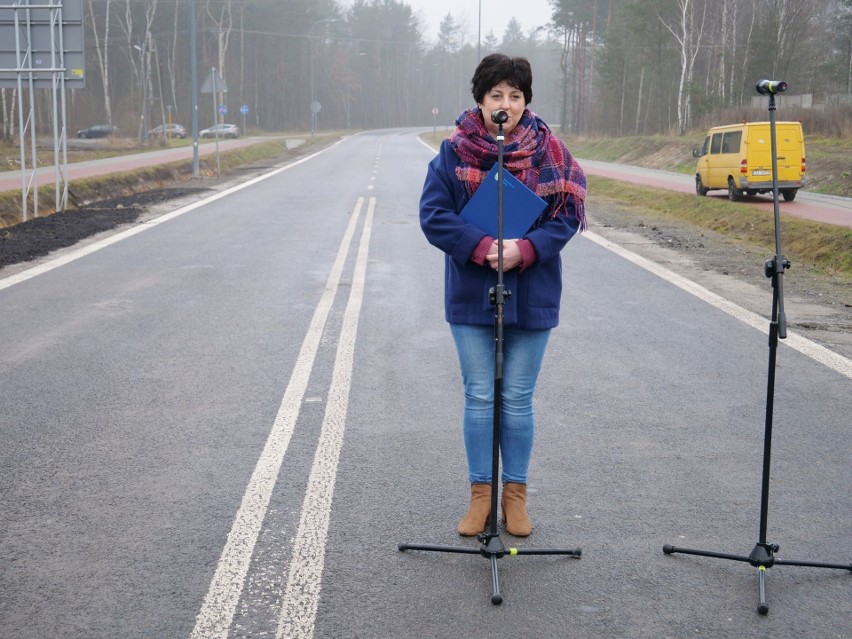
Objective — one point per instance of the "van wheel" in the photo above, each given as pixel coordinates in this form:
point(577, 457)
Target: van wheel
point(700, 189)
point(734, 194)
point(789, 194)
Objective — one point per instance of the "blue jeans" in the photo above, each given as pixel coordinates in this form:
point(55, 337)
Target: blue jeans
point(523, 352)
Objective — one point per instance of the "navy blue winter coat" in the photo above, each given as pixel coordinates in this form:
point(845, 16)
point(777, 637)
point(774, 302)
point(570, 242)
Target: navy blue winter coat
point(536, 292)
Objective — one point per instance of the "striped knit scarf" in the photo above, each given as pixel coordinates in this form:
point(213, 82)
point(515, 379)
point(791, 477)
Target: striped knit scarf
point(532, 154)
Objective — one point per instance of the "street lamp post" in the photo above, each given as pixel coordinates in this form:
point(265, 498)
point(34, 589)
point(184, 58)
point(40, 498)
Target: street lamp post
point(315, 105)
point(349, 88)
point(143, 135)
point(313, 93)
point(194, 74)
point(479, 34)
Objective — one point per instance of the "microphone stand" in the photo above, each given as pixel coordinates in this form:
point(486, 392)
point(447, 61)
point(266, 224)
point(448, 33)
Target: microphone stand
point(491, 546)
point(763, 555)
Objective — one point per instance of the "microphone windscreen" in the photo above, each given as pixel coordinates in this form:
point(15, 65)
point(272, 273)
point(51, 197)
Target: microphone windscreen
point(499, 116)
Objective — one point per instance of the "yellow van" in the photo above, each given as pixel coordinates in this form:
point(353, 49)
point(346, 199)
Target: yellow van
point(738, 157)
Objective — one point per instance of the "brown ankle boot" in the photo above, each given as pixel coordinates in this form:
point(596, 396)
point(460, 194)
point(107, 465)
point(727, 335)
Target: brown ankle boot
point(514, 506)
point(476, 517)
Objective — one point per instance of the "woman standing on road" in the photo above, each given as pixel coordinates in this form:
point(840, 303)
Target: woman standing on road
point(533, 274)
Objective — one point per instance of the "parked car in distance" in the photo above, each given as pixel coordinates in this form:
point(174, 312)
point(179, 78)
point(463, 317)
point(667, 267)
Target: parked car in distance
point(98, 131)
point(171, 130)
point(221, 130)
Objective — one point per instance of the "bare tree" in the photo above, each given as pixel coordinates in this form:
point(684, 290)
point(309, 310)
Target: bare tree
point(8, 107)
point(688, 36)
point(224, 23)
point(103, 56)
point(171, 58)
point(127, 28)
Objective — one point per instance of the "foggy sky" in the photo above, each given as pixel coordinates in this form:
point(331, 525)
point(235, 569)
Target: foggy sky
point(495, 14)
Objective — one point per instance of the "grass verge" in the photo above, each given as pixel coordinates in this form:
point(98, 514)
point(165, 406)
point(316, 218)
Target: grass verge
point(825, 247)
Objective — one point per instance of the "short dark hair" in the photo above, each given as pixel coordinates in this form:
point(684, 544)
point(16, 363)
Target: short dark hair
point(497, 68)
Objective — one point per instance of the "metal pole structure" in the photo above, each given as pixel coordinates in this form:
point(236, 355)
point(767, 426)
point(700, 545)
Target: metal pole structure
point(313, 92)
point(63, 204)
point(194, 72)
point(23, 148)
point(58, 72)
point(479, 35)
point(33, 145)
point(213, 75)
point(315, 106)
point(144, 134)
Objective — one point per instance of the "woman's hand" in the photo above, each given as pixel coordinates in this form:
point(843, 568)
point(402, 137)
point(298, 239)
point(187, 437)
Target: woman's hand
point(511, 255)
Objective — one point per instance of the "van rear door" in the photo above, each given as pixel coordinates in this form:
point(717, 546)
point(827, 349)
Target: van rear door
point(789, 152)
point(758, 154)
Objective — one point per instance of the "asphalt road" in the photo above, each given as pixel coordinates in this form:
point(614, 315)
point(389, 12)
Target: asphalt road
point(223, 421)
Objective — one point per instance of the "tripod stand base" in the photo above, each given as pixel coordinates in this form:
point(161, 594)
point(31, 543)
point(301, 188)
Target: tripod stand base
point(762, 557)
point(492, 548)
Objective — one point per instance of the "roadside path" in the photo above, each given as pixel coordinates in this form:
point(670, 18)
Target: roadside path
point(11, 180)
point(811, 206)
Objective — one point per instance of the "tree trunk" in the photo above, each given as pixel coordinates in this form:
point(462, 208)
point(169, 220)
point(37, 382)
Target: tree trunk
point(103, 56)
point(747, 49)
point(224, 25)
point(690, 43)
point(639, 100)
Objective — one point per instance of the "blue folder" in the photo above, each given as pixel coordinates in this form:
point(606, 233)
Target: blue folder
point(521, 207)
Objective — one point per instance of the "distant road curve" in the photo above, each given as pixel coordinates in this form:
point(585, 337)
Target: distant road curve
point(811, 206)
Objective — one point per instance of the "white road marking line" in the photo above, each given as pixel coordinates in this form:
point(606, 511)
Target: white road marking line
point(35, 271)
point(217, 611)
point(301, 597)
point(432, 148)
point(815, 351)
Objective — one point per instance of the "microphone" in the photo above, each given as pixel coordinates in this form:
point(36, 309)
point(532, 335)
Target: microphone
point(771, 87)
point(500, 116)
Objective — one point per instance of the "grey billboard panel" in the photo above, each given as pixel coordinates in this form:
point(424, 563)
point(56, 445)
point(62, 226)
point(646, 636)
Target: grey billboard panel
point(75, 77)
point(34, 44)
point(72, 10)
point(38, 38)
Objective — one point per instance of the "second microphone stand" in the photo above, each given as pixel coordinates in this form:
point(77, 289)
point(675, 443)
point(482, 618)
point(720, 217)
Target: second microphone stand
point(763, 555)
point(491, 546)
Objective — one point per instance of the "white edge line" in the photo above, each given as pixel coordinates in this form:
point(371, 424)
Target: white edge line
point(217, 612)
point(41, 269)
point(815, 351)
point(426, 144)
point(300, 599)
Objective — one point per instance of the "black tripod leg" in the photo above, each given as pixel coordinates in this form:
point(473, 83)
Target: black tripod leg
point(813, 564)
point(762, 606)
point(572, 552)
point(464, 550)
point(669, 549)
point(496, 597)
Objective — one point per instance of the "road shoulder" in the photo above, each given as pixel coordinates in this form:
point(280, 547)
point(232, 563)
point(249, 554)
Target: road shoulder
point(817, 306)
